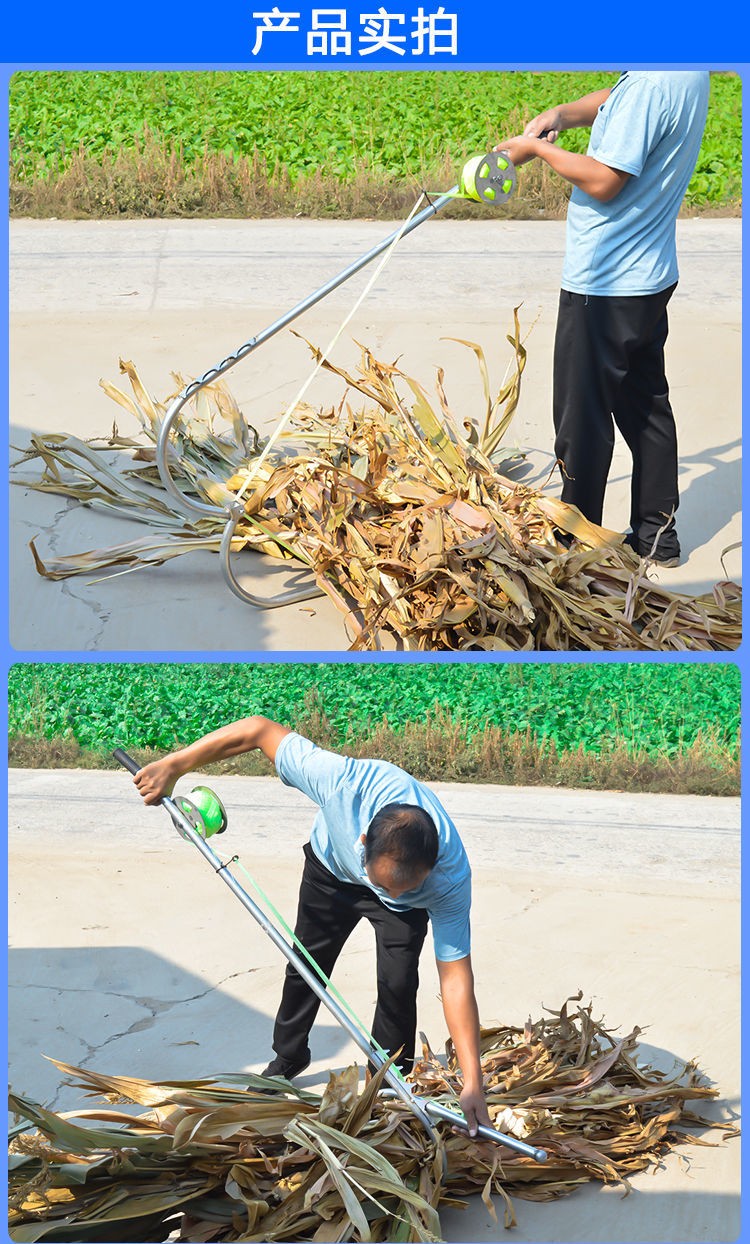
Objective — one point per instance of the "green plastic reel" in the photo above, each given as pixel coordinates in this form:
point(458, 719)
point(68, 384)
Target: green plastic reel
point(204, 810)
point(488, 178)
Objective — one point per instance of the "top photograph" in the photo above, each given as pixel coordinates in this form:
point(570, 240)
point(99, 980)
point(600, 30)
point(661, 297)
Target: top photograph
point(383, 361)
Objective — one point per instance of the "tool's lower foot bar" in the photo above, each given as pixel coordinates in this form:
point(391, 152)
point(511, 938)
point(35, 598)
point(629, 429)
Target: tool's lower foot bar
point(446, 1115)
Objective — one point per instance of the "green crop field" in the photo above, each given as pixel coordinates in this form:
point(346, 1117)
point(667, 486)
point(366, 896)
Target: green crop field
point(654, 708)
point(330, 121)
point(298, 125)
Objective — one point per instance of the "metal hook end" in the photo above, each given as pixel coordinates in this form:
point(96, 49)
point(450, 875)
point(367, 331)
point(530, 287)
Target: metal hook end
point(292, 597)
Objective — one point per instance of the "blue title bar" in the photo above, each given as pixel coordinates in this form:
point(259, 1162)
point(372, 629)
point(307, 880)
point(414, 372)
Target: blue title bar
point(256, 33)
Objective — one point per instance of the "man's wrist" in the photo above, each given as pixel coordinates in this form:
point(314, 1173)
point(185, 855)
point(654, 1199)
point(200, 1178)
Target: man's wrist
point(175, 767)
point(473, 1080)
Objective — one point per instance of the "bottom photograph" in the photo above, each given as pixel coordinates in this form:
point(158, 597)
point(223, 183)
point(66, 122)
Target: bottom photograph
point(374, 951)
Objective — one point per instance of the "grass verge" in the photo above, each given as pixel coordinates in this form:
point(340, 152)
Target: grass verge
point(92, 145)
point(153, 180)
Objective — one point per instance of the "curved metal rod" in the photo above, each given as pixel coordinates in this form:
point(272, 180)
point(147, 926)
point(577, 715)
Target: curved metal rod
point(291, 597)
point(201, 508)
point(174, 410)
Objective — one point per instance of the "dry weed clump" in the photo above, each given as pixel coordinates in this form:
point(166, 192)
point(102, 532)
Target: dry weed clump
point(439, 749)
point(244, 1158)
point(401, 513)
point(154, 179)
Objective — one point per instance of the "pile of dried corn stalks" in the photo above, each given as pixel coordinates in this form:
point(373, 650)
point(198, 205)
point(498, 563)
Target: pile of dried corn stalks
point(216, 1162)
point(401, 513)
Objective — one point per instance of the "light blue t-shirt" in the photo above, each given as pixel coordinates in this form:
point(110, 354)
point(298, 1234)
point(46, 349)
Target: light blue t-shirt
point(349, 793)
point(651, 126)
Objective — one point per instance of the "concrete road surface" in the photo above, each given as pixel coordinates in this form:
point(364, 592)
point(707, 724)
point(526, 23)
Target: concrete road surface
point(181, 295)
point(127, 954)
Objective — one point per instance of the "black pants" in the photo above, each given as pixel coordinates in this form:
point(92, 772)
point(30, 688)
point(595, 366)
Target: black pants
point(327, 913)
point(609, 365)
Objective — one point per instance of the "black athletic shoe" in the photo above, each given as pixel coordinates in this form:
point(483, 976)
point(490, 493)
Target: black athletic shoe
point(279, 1066)
point(668, 556)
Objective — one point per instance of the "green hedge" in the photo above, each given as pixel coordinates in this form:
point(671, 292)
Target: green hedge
point(657, 708)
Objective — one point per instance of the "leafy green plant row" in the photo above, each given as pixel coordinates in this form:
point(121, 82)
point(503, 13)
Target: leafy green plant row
point(394, 124)
point(647, 708)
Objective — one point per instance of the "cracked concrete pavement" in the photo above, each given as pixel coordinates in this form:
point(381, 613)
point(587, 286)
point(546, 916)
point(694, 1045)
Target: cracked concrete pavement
point(181, 295)
point(127, 955)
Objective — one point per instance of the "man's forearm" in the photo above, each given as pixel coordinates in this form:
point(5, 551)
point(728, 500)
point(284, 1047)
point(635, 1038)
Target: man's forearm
point(582, 112)
point(462, 1017)
point(158, 778)
point(553, 121)
point(232, 740)
point(594, 178)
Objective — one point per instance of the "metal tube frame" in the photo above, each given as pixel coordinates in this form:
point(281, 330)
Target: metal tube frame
point(424, 1109)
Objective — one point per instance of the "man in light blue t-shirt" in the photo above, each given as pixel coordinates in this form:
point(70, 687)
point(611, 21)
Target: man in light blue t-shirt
point(382, 848)
point(619, 273)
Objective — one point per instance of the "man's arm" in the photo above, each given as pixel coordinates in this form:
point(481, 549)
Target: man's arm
point(158, 778)
point(580, 112)
point(462, 1017)
point(598, 180)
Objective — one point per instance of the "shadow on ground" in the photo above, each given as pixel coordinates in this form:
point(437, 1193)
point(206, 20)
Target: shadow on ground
point(126, 1011)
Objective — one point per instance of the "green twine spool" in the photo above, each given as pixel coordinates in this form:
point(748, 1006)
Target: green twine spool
point(488, 178)
point(205, 811)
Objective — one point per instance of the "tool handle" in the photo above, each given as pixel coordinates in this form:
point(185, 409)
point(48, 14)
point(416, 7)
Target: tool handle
point(126, 761)
point(531, 1151)
point(437, 1111)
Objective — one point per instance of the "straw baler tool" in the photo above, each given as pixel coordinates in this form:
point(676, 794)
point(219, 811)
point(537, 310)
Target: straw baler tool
point(426, 1111)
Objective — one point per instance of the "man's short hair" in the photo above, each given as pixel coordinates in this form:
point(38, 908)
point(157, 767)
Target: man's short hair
point(407, 835)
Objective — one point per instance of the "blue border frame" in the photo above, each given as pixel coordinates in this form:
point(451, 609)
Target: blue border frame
point(143, 36)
